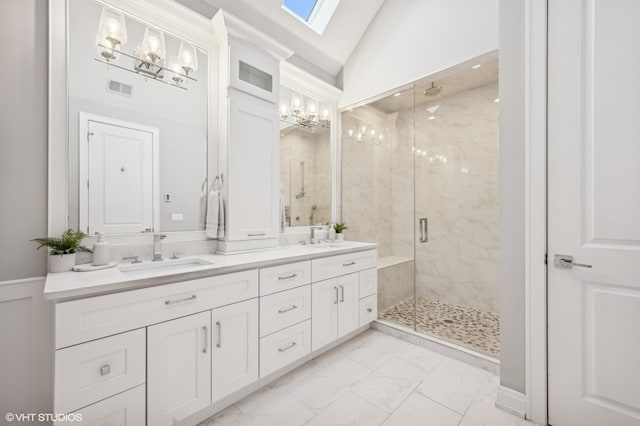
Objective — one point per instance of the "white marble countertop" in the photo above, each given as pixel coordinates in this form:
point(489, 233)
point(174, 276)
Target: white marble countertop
point(73, 285)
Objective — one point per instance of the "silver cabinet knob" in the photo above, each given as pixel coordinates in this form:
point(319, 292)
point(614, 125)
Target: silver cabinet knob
point(105, 369)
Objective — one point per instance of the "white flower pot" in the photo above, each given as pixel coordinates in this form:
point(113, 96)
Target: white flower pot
point(340, 237)
point(62, 262)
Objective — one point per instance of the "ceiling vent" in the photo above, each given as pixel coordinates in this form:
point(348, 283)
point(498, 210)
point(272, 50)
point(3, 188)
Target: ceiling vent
point(119, 88)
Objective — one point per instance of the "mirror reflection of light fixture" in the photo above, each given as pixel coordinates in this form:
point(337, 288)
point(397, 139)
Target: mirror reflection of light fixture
point(148, 57)
point(313, 117)
point(364, 133)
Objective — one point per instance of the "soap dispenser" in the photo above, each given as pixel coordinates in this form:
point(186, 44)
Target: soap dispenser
point(101, 251)
point(332, 233)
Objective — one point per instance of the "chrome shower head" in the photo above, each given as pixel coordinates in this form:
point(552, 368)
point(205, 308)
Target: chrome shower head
point(433, 90)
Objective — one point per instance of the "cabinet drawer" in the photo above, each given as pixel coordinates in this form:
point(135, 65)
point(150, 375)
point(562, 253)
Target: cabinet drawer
point(284, 309)
point(96, 370)
point(82, 320)
point(124, 409)
point(284, 277)
point(335, 266)
point(368, 309)
point(368, 282)
point(284, 347)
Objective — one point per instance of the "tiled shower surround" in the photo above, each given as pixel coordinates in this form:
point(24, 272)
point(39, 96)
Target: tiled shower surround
point(450, 176)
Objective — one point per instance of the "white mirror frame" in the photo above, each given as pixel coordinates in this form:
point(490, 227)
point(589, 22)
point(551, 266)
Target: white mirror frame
point(309, 85)
point(174, 19)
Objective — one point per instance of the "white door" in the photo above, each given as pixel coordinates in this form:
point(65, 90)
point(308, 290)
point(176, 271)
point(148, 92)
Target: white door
point(324, 313)
point(178, 368)
point(594, 212)
point(234, 348)
point(349, 304)
point(120, 179)
point(254, 172)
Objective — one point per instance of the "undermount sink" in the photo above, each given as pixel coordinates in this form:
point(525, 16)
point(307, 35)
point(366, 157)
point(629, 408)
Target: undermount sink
point(164, 266)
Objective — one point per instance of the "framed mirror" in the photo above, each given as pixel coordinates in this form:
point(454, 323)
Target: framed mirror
point(309, 162)
point(140, 93)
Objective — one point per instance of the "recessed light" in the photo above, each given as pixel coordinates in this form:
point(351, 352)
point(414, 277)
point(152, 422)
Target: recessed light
point(432, 117)
point(397, 94)
point(496, 100)
point(476, 66)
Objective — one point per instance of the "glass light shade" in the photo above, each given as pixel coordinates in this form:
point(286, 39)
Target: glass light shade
point(112, 30)
point(312, 110)
point(153, 44)
point(175, 65)
point(284, 109)
point(325, 113)
point(297, 104)
point(188, 57)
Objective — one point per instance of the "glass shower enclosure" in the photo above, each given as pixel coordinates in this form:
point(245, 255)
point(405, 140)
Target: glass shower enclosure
point(420, 177)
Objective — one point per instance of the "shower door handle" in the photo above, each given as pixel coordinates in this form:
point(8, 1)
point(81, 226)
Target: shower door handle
point(424, 230)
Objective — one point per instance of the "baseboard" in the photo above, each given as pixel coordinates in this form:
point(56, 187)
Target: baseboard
point(511, 401)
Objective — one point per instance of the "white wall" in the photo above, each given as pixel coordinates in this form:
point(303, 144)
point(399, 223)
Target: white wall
point(512, 193)
point(23, 138)
point(410, 39)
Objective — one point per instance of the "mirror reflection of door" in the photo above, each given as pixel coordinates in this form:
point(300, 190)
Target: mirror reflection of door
point(120, 177)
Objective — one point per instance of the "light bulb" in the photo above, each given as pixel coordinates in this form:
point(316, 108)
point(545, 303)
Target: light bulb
point(312, 110)
point(188, 56)
point(296, 104)
point(284, 109)
point(112, 29)
point(153, 44)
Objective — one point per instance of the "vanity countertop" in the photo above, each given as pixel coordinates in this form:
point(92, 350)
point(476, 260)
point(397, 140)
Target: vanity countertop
point(73, 285)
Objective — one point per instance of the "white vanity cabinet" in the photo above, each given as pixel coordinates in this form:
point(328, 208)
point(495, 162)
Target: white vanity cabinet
point(179, 352)
point(252, 169)
point(248, 133)
point(234, 347)
point(178, 368)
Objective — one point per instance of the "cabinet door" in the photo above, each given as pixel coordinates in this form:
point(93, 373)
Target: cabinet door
point(253, 169)
point(178, 368)
point(349, 304)
point(234, 347)
point(324, 313)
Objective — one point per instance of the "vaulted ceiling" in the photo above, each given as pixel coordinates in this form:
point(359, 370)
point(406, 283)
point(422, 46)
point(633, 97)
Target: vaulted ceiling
point(323, 55)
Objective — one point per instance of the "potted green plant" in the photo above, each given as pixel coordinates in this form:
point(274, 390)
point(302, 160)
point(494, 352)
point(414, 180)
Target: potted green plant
point(63, 249)
point(340, 227)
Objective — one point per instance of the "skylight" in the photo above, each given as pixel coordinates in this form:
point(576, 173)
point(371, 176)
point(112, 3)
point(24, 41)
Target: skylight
point(316, 14)
point(302, 8)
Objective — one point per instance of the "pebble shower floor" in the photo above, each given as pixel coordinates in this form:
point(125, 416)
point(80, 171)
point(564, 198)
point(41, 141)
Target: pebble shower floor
point(475, 329)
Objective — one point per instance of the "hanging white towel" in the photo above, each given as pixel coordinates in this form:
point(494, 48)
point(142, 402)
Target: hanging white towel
point(213, 211)
point(220, 209)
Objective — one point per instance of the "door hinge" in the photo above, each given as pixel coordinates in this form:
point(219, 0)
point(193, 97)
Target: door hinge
point(87, 184)
point(545, 259)
point(88, 135)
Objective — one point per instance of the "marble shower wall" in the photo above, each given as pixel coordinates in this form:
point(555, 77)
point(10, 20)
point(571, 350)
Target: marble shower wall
point(371, 203)
point(457, 189)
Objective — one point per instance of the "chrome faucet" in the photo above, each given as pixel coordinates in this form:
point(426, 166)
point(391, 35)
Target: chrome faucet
point(157, 247)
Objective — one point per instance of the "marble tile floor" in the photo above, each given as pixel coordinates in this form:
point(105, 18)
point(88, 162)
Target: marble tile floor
point(375, 379)
point(475, 329)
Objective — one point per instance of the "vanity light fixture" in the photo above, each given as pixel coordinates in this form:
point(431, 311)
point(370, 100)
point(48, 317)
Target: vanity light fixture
point(364, 133)
point(314, 117)
point(148, 57)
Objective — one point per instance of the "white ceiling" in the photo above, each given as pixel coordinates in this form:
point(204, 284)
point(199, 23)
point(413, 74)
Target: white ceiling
point(327, 52)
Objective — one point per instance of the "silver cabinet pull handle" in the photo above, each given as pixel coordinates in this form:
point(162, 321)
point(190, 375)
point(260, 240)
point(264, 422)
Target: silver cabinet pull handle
point(288, 277)
point(256, 235)
point(342, 293)
point(282, 311)
point(105, 369)
point(424, 230)
point(286, 348)
point(565, 261)
point(186, 299)
point(205, 330)
point(219, 343)
point(349, 263)
point(336, 301)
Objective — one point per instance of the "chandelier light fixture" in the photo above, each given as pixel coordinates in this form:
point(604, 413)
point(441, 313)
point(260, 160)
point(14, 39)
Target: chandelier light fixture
point(312, 115)
point(367, 134)
point(149, 56)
